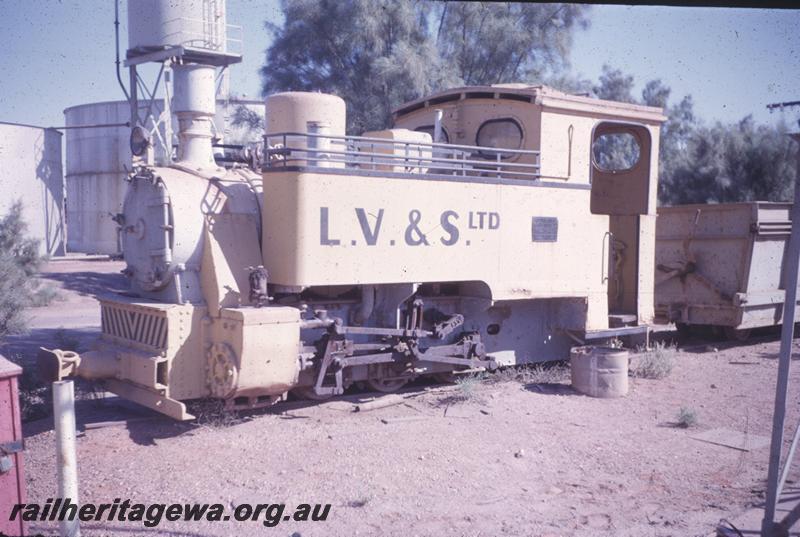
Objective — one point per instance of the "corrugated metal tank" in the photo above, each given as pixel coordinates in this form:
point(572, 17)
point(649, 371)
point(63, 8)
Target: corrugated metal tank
point(31, 172)
point(96, 164)
point(98, 160)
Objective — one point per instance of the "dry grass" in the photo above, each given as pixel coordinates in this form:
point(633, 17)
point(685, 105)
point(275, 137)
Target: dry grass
point(547, 373)
point(467, 386)
point(43, 293)
point(687, 417)
point(655, 363)
point(213, 413)
point(467, 389)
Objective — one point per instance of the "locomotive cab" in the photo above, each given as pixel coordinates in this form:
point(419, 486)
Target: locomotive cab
point(611, 147)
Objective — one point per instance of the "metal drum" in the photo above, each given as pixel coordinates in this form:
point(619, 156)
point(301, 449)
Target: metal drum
point(599, 371)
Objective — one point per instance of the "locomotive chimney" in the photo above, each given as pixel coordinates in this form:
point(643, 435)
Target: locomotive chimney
point(194, 106)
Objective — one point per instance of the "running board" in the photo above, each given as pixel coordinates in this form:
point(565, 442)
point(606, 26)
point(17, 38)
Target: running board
point(581, 337)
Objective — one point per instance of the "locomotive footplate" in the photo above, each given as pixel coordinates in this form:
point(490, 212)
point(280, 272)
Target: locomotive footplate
point(583, 337)
point(401, 346)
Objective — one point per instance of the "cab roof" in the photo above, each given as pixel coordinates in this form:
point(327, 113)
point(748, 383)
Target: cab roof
point(539, 95)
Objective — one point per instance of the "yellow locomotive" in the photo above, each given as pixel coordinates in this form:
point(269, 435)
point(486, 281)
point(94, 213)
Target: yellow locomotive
point(483, 230)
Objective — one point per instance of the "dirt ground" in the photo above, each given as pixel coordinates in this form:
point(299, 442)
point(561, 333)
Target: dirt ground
point(492, 458)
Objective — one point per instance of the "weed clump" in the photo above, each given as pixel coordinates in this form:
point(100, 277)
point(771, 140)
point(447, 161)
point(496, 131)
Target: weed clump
point(466, 387)
point(687, 417)
point(542, 373)
point(214, 414)
point(656, 363)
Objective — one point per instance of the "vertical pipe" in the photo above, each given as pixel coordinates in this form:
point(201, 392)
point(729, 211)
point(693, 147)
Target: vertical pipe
point(168, 111)
point(318, 144)
point(66, 457)
point(437, 126)
point(134, 98)
point(768, 525)
point(116, 36)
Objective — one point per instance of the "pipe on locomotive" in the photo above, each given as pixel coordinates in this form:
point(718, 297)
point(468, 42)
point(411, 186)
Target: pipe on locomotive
point(194, 104)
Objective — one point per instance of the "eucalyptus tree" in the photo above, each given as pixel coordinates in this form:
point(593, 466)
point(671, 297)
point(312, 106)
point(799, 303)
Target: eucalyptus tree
point(377, 54)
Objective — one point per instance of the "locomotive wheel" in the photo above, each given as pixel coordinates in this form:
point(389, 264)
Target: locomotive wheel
point(385, 385)
point(307, 392)
point(736, 334)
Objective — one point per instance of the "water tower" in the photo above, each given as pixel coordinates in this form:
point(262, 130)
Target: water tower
point(188, 39)
point(98, 156)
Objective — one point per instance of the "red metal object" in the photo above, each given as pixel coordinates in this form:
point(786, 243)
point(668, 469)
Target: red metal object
point(12, 482)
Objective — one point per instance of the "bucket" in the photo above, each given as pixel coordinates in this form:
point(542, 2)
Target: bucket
point(599, 371)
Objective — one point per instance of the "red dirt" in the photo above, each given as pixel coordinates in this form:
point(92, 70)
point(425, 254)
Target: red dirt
point(514, 459)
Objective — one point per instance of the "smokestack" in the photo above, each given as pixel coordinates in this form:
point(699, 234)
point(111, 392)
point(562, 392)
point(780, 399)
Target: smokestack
point(194, 106)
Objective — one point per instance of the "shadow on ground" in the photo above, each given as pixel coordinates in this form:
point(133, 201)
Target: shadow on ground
point(22, 348)
point(749, 523)
point(89, 283)
point(552, 388)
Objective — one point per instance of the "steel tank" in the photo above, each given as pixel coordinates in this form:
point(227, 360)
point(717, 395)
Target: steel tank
point(31, 172)
point(155, 24)
point(98, 160)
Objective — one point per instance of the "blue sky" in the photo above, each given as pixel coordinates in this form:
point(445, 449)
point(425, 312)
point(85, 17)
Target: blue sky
point(733, 61)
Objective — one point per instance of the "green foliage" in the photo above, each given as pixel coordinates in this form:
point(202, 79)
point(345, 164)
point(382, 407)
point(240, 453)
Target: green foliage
point(19, 261)
point(724, 163)
point(496, 42)
point(377, 54)
point(373, 53)
point(245, 117)
point(614, 85)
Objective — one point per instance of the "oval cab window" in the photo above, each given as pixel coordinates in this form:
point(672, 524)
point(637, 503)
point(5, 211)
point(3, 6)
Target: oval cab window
point(500, 133)
point(616, 152)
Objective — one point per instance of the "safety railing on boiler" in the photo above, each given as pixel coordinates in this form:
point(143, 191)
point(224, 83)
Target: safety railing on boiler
point(290, 149)
point(210, 34)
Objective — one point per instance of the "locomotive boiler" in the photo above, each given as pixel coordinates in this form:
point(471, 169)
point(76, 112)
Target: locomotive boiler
point(485, 229)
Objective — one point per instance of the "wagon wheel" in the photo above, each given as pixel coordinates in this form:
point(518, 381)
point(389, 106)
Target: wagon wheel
point(737, 334)
point(386, 385)
point(307, 392)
